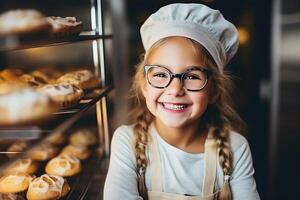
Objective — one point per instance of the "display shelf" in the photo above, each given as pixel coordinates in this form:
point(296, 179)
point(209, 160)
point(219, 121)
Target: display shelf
point(16, 42)
point(85, 184)
point(37, 132)
point(37, 135)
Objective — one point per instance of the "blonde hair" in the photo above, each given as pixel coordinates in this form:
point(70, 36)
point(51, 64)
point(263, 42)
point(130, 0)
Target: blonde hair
point(219, 115)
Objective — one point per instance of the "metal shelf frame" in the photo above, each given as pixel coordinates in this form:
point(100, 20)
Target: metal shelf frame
point(17, 42)
point(99, 64)
point(37, 134)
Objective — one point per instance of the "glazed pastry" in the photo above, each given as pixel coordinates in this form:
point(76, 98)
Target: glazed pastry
point(83, 137)
point(47, 187)
point(24, 165)
point(16, 148)
point(81, 152)
point(13, 183)
point(25, 106)
point(64, 25)
point(43, 152)
point(65, 95)
point(23, 21)
point(84, 79)
point(63, 165)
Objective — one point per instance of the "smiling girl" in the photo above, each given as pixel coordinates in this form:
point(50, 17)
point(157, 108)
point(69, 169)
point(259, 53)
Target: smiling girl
point(184, 141)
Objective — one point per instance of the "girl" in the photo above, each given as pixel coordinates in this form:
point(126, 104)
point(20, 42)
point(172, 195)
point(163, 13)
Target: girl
point(182, 143)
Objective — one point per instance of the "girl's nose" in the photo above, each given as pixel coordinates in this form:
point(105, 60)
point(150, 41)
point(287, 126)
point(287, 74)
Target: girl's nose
point(175, 88)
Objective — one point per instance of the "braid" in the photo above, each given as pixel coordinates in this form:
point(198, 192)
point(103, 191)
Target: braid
point(225, 159)
point(141, 137)
point(225, 156)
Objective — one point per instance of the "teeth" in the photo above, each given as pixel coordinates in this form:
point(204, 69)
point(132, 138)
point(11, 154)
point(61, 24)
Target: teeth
point(174, 106)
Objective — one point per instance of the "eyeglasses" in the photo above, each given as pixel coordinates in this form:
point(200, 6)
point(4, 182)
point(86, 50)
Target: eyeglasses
point(193, 79)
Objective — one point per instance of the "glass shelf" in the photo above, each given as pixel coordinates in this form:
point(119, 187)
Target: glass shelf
point(16, 42)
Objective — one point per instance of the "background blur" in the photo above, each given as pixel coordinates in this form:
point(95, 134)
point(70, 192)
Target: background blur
point(267, 67)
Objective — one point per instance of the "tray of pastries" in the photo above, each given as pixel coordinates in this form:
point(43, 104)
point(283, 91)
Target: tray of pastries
point(33, 97)
point(52, 169)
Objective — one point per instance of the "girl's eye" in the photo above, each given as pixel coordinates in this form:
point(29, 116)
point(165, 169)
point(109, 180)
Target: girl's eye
point(160, 75)
point(192, 76)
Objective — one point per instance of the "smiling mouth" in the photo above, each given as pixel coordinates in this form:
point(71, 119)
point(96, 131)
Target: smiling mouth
point(171, 106)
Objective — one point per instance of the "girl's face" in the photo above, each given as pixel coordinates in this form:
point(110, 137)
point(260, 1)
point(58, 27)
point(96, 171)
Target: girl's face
point(174, 106)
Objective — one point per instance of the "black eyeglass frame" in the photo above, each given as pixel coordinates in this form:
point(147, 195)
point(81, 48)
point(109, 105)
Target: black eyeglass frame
point(207, 72)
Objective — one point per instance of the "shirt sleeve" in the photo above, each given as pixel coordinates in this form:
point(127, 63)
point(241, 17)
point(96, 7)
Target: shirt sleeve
point(242, 183)
point(121, 179)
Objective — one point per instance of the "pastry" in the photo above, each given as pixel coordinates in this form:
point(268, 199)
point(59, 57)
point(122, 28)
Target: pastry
point(16, 148)
point(11, 74)
point(10, 196)
point(84, 79)
point(55, 139)
point(65, 95)
point(14, 183)
point(63, 165)
point(45, 76)
point(24, 165)
point(31, 80)
point(25, 106)
point(64, 25)
point(83, 137)
point(43, 152)
point(23, 21)
point(2, 80)
point(47, 187)
point(81, 152)
point(8, 86)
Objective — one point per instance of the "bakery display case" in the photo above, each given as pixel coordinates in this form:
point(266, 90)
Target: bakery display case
point(56, 99)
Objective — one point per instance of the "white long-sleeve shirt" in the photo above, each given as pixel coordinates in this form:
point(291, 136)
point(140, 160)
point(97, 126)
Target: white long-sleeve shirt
point(182, 172)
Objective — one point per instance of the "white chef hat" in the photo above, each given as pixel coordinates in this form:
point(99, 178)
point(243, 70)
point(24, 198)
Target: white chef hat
point(195, 21)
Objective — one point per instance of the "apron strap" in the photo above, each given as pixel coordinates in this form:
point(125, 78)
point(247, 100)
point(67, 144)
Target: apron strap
point(210, 165)
point(155, 165)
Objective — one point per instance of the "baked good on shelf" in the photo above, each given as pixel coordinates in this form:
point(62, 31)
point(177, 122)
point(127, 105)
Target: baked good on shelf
point(65, 95)
point(10, 196)
point(11, 74)
point(47, 187)
point(83, 137)
point(2, 80)
point(9, 87)
point(16, 148)
point(43, 152)
point(25, 106)
point(55, 139)
point(9, 80)
point(31, 80)
point(24, 165)
point(23, 21)
point(14, 183)
point(84, 79)
point(63, 165)
point(64, 25)
point(47, 76)
point(79, 151)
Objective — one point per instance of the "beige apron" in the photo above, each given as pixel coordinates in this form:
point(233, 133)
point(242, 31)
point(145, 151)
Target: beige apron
point(210, 167)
